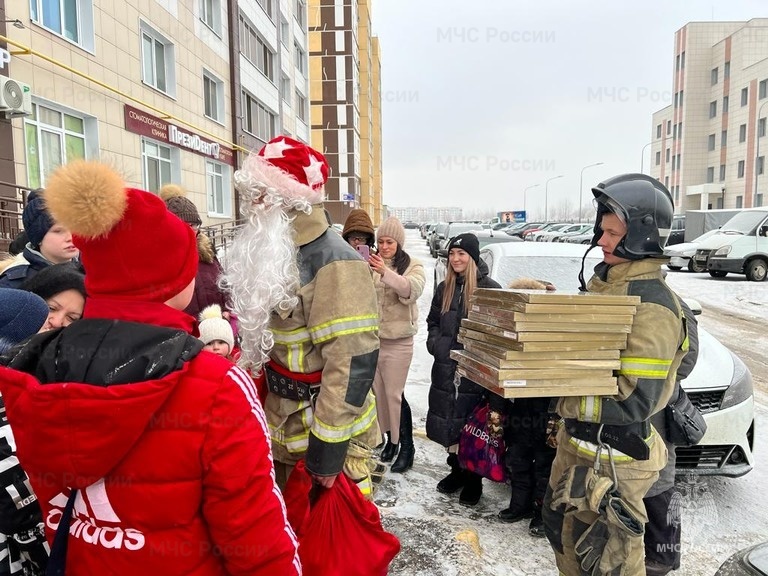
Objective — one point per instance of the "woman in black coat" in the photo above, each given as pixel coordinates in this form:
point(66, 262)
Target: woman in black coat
point(452, 398)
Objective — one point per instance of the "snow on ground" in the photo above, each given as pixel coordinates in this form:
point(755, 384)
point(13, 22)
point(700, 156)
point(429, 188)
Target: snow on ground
point(428, 522)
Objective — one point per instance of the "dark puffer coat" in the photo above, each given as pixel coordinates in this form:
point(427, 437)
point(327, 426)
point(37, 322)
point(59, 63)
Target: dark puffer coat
point(450, 406)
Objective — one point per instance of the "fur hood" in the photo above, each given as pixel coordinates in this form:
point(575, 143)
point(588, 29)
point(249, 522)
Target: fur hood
point(205, 249)
point(12, 261)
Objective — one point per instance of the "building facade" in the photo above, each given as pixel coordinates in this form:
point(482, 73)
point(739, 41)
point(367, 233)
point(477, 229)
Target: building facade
point(709, 146)
point(345, 99)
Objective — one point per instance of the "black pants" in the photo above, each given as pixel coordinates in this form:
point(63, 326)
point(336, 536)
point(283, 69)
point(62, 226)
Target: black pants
point(528, 458)
point(662, 532)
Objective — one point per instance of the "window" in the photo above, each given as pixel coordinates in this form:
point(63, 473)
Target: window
point(710, 174)
point(658, 158)
point(257, 120)
point(299, 10)
point(760, 165)
point(658, 131)
point(682, 59)
point(762, 90)
point(711, 142)
point(157, 60)
point(216, 187)
point(70, 19)
point(739, 202)
point(680, 130)
point(666, 182)
point(743, 133)
point(285, 89)
point(727, 70)
point(740, 170)
point(669, 127)
point(725, 104)
point(267, 7)
point(724, 138)
point(300, 58)
point(676, 99)
point(677, 62)
point(301, 107)
point(285, 33)
point(256, 50)
point(713, 109)
point(719, 204)
point(758, 200)
point(157, 162)
point(210, 14)
point(713, 76)
point(667, 158)
point(744, 96)
point(761, 128)
point(52, 138)
point(681, 98)
point(722, 172)
point(679, 164)
point(213, 96)
point(674, 132)
point(674, 162)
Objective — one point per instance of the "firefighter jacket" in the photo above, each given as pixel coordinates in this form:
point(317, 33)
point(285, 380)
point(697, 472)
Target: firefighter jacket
point(655, 347)
point(333, 330)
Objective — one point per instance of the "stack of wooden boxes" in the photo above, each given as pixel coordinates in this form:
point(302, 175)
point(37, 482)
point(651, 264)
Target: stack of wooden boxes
point(533, 343)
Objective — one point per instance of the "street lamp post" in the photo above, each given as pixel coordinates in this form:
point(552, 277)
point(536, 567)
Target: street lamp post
point(642, 156)
point(757, 152)
point(581, 179)
point(525, 192)
point(546, 197)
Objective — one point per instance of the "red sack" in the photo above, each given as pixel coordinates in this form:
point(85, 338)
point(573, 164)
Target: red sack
point(341, 533)
point(481, 445)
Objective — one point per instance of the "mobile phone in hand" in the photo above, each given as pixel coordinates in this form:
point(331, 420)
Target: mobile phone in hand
point(364, 251)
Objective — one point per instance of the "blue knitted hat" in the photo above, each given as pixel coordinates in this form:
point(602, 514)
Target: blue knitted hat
point(37, 221)
point(22, 314)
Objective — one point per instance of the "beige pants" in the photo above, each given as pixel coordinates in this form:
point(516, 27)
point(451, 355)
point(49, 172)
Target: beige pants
point(388, 384)
point(564, 530)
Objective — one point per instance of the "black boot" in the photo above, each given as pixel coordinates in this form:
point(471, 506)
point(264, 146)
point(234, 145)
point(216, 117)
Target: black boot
point(517, 510)
point(536, 527)
point(389, 451)
point(454, 480)
point(405, 457)
point(473, 489)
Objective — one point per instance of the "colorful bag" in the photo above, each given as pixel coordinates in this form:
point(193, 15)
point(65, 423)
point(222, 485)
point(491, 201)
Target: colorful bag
point(481, 444)
point(339, 531)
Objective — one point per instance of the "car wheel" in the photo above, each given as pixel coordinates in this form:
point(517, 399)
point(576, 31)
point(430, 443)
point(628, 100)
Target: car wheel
point(675, 268)
point(694, 266)
point(586, 241)
point(717, 273)
point(757, 270)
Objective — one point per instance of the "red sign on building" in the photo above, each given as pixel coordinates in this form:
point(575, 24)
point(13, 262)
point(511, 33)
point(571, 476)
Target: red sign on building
point(140, 122)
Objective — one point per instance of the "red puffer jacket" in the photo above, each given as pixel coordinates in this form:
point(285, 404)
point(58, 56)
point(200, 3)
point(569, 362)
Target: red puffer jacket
point(174, 471)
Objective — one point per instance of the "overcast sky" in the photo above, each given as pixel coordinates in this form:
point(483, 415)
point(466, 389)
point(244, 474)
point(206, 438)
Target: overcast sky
point(483, 99)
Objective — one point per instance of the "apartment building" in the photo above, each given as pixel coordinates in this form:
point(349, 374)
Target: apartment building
point(163, 90)
point(709, 146)
point(345, 100)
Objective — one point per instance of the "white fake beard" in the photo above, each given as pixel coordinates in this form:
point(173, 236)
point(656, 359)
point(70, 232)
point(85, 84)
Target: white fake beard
point(261, 274)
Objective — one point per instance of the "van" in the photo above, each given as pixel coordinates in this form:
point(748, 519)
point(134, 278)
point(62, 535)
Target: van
point(740, 247)
point(677, 232)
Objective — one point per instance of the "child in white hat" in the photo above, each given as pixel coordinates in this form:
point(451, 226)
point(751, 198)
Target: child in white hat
point(216, 332)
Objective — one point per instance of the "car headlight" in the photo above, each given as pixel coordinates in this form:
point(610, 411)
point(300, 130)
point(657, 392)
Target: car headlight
point(723, 251)
point(741, 385)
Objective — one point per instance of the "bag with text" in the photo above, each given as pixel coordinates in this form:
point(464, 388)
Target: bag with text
point(481, 444)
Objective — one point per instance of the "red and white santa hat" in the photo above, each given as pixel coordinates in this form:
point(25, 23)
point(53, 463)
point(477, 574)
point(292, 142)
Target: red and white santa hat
point(287, 171)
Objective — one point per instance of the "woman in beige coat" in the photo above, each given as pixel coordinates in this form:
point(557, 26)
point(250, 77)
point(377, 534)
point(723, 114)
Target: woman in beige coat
point(399, 282)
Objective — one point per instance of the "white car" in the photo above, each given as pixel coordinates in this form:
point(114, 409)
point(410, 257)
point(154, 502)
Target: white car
point(681, 255)
point(720, 385)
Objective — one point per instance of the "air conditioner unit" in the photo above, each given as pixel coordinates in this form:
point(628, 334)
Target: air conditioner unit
point(15, 98)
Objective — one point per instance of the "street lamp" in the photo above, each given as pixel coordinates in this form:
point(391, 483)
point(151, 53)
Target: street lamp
point(18, 23)
point(546, 197)
point(581, 178)
point(524, 197)
point(757, 152)
point(642, 156)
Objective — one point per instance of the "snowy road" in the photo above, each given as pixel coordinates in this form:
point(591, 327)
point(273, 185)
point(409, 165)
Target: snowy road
point(720, 515)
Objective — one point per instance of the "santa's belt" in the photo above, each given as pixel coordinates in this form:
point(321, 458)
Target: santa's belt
point(629, 439)
point(285, 384)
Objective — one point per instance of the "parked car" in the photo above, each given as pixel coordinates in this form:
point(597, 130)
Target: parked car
point(435, 239)
point(554, 236)
point(677, 232)
point(681, 255)
point(535, 235)
point(720, 385)
point(752, 561)
point(583, 238)
point(524, 228)
point(456, 228)
point(740, 247)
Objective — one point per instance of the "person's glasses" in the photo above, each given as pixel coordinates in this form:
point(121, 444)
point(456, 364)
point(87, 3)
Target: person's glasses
point(362, 239)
